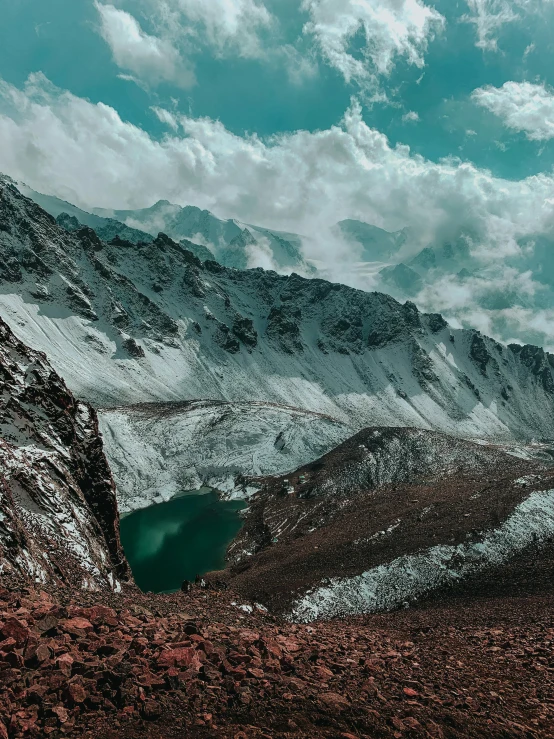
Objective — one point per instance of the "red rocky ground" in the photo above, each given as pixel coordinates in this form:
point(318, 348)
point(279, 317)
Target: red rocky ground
point(194, 665)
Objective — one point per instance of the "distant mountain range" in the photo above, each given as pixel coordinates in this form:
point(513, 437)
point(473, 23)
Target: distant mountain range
point(392, 262)
point(129, 323)
point(230, 242)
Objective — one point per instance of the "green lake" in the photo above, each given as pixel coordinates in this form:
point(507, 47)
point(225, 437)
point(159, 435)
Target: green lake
point(174, 541)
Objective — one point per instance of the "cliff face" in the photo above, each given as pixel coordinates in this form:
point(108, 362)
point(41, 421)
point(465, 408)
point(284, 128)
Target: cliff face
point(58, 512)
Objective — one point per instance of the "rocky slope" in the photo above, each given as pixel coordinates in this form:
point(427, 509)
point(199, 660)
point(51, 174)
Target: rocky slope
point(133, 666)
point(159, 449)
point(387, 518)
point(58, 511)
point(128, 323)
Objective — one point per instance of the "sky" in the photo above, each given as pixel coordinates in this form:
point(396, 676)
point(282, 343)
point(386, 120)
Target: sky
point(294, 114)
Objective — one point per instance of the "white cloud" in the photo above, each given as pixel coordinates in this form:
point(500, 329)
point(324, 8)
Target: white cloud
point(164, 116)
point(529, 50)
point(410, 117)
point(522, 106)
point(302, 181)
point(224, 24)
point(300, 67)
point(151, 59)
point(299, 181)
point(391, 28)
point(489, 16)
point(467, 302)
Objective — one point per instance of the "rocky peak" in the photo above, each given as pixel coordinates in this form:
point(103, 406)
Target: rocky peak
point(58, 511)
point(135, 309)
point(70, 223)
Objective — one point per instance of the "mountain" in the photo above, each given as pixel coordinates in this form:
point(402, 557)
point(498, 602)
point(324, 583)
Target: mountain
point(157, 450)
point(230, 242)
point(108, 229)
point(385, 260)
point(112, 230)
point(58, 513)
point(227, 239)
point(377, 245)
point(129, 323)
point(390, 517)
point(402, 277)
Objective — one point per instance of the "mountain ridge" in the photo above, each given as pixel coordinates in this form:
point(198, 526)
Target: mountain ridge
point(134, 323)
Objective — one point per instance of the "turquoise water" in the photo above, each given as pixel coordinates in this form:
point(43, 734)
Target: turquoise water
point(174, 541)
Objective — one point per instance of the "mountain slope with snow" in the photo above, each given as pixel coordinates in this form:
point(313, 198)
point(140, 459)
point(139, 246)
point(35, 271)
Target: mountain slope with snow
point(158, 450)
point(128, 323)
point(388, 517)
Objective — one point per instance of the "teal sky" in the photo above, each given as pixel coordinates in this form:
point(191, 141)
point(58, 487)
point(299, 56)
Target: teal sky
point(62, 39)
point(296, 114)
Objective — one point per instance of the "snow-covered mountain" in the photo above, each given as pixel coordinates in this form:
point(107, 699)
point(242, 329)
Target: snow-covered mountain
point(234, 243)
point(126, 323)
point(160, 449)
point(377, 245)
point(58, 513)
point(230, 242)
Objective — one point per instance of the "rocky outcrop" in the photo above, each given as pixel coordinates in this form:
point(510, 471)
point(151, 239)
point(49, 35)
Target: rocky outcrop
point(283, 327)
point(70, 223)
point(538, 361)
point(58, 513)
point(243, 329)
point(479, 353)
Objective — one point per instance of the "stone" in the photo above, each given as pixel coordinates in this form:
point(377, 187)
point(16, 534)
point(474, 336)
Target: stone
point(43, 653)
point(182, 657)
point(75, 625)
point(16, 630)
point(61, 713)
point(151, 710)
point(76, 692)
point(334, 701)
point(47, 623)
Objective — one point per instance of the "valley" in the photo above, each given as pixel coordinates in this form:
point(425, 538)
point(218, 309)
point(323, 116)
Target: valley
point(366, 491)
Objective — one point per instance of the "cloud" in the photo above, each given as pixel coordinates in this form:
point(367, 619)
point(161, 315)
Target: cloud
point(225, 25)
point(300, 181)
point(164, 116)
point(151, 59)
point(489, 16)
point(259, 254)
point(300, 67)
point(410, 117)
point(500, 301)
point(522, 106)
point(391, 29)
